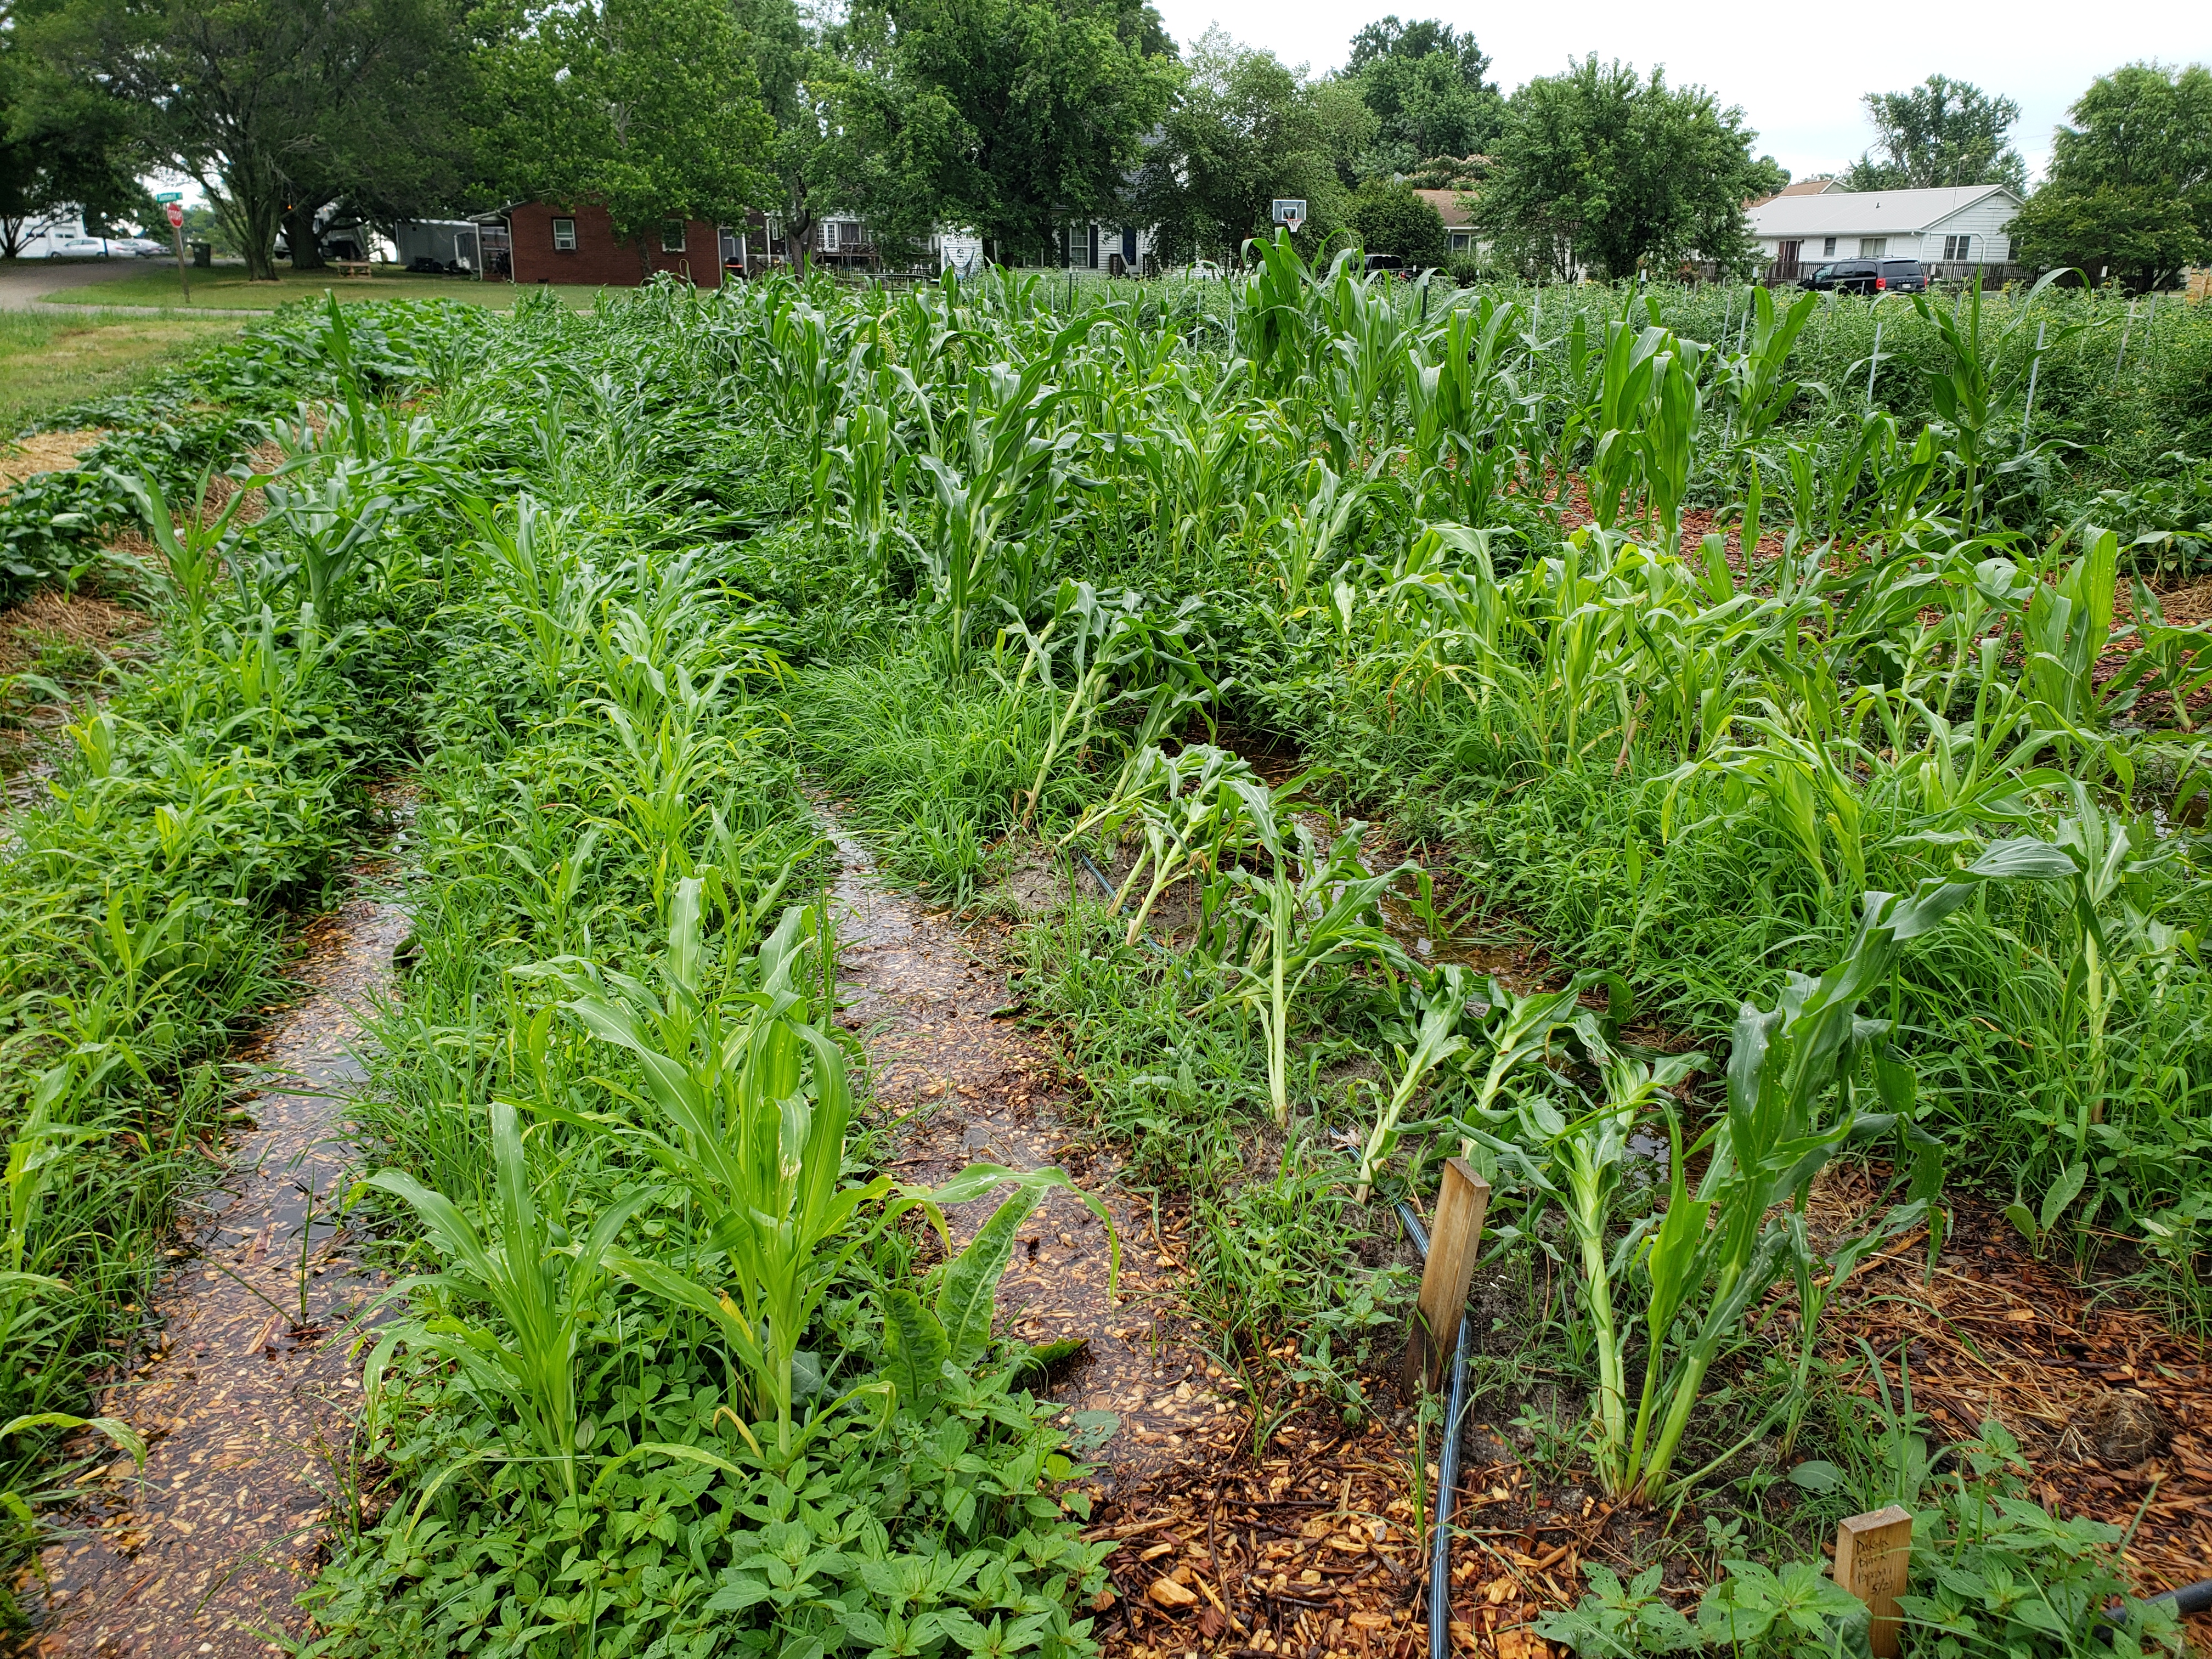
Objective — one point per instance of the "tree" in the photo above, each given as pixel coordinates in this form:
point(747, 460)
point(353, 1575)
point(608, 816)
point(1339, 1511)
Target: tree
point(2130, 182)
point(1598, 166)
point(1389, 218)
point(1044, 106)
point(648, 108)
point(1248, 129)
point(59, 154)
point(1940, 133)
point(850, 134)
point(257, 100)
point(1428, 87)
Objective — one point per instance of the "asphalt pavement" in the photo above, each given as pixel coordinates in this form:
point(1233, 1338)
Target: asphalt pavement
point(23, 281)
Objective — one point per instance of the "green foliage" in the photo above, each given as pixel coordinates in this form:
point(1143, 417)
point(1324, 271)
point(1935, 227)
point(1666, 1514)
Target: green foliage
point(1429, 89)
point(2130, 182)
point(1599, 165)
point(1940, 134)
point(648, 108)
point(1391, 219)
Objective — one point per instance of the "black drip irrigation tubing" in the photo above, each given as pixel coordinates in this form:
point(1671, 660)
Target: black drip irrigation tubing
point(1447, 1470)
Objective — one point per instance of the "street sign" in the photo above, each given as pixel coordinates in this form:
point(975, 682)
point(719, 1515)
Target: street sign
point(176, 214)
point(170, 195)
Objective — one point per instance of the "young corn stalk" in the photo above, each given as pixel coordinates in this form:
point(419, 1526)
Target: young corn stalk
point(1318, 906)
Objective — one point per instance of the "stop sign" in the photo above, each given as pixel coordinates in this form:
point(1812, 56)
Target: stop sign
point(176, 214)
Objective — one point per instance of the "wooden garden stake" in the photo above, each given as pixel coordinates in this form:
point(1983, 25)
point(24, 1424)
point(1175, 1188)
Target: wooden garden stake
point(1453, 1243)
point(1874, 1553)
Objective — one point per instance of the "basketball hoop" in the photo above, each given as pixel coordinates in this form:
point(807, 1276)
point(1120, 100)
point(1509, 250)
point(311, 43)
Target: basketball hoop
point(1290, 211)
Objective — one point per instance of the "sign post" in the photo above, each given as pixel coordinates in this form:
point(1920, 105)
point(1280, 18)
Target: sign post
point(1291, 211)
point(173, 202)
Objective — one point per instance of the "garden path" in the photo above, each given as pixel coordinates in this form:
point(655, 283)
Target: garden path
point(248, 1393)
point(981, 1087)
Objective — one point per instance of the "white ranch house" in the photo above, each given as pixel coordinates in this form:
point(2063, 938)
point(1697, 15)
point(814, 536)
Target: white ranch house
point(1949, 231)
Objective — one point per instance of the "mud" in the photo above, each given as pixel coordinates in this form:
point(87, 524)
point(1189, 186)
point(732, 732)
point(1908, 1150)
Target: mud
point(248, 1398)
point(973, 1085)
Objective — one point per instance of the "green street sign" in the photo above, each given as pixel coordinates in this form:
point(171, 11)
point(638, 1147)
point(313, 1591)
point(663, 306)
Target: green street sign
point(170, 195)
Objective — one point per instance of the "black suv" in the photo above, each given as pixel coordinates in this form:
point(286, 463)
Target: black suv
point(1869, 277)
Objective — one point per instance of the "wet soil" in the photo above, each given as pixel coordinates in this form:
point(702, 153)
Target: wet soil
point(968, 1084)
point(248, 1397)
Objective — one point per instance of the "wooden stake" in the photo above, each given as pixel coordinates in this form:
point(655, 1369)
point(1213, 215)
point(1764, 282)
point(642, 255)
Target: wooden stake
point(1453, 1243)
point(1873, 1556)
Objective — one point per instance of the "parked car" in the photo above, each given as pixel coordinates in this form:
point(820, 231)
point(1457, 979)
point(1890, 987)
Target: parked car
point(144, 246)
point(83, 247)
point(1869, 277)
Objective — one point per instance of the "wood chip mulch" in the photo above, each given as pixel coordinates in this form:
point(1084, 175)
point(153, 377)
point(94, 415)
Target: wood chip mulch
point(2113, 1409)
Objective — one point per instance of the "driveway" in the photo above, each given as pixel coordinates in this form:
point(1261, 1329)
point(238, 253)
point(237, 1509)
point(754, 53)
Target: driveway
point(23, 281)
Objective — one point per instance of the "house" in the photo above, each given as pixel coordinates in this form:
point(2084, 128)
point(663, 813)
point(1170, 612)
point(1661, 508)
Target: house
point(1456, 209)
point(1802, 187)
point(1118, 250)
point(544, 242)
point(1953, 232)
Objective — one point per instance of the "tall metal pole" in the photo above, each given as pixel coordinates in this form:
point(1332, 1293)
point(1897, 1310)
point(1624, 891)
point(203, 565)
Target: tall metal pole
point(177, 235)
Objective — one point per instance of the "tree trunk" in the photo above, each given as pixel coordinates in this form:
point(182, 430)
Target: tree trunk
point(300, 236)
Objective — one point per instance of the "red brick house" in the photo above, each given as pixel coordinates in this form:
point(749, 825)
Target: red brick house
point(534, 242)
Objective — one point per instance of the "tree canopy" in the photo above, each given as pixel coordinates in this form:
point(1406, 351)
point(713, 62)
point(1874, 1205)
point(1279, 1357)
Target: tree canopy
point(1035, 111)
point(1429, 89)
point(63, 150)
point(2130, 181)
point(649, 108)
point(1940, 133)
point(1602, 166)
point(1248, 129)
point(268, 103)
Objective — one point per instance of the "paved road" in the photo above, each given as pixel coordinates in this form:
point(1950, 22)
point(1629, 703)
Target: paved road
point(23, 281)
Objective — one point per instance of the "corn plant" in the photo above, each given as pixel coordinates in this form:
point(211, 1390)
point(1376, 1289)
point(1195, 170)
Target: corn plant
point(1191, 811)
point(1317, 908)
point(543, 1284)
point(1440, 1001)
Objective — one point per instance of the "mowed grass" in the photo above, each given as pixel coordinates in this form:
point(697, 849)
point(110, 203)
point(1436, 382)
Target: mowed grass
point(50, 360)
point(224, 287)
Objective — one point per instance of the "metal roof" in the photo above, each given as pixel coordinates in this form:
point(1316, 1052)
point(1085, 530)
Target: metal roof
point(1861, 212)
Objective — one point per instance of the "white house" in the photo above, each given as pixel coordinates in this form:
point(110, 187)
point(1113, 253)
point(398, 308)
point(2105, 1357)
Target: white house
point(1959, 227)
point(1097, 244)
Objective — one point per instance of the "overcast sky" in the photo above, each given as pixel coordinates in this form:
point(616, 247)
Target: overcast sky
point(1798, 71)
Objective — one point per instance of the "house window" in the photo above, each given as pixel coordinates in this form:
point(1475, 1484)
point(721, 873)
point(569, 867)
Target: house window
point(1872, 247)
point(564, 235)
point(1092, 262)
point(671, 236)
point(1827, 247)
point(1959, 249)
point(829, 235)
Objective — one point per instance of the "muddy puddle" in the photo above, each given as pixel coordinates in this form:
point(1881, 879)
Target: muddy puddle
point(925, 993)
point(247, 1400)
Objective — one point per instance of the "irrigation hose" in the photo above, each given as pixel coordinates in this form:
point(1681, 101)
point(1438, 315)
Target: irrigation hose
point(1447, 1470)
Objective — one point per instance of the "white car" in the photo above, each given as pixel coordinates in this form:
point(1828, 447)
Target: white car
point(144, 246)
point(86, 247)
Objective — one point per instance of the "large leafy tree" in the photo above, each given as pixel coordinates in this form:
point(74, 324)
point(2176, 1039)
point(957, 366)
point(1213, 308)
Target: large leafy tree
point(2130, 182)
point(1603, 167)
point(1942, 132)
point(1044, 104)
point(61, 152)
point(648, 108)
point(268, 104)
point(1248, 129)
point(850, 134)
point(1430, 89)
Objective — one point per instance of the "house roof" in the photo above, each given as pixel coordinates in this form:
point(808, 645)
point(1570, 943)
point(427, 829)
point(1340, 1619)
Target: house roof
point(1450, 206)
point(1861, 212)
point(1802, 187)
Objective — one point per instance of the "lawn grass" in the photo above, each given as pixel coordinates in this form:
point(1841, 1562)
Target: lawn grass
point(49, 360)
point(225, 288)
